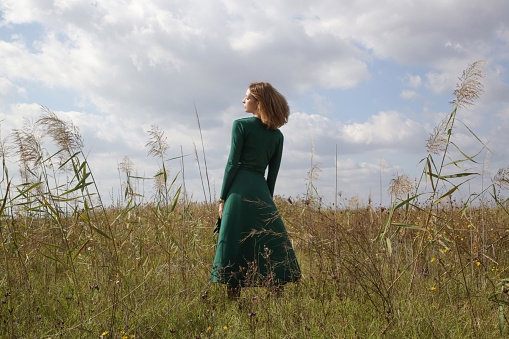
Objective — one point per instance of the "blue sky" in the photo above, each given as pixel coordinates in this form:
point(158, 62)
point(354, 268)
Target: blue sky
point(372, 77)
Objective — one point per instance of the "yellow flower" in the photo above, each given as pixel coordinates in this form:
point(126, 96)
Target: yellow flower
point(209, 328)
point(105, 332)
point(469, 225)
point(478, 263)
point(433, 259)
point(225, 327)
point(125, 337)
point(433, 288)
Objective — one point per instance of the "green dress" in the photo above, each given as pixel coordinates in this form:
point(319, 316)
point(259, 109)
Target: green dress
point(253, 247)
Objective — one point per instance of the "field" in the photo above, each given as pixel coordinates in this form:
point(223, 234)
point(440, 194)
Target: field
point(427, 266)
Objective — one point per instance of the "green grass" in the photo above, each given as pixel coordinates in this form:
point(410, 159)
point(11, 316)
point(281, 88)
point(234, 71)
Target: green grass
point(156, 291)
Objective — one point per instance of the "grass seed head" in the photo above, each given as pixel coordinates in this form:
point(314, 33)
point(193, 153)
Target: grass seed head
point(158, 143)
point(437, 140)
point(470, 87)
point(401, 186)
point(501, 179)
point(65, 134)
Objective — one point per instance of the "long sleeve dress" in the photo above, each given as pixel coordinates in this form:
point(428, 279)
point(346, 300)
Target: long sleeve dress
point(253, 247)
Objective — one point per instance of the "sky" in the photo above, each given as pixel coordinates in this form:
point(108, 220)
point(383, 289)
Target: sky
point(366, 81)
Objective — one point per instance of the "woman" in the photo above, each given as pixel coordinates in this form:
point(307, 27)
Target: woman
point(253, 247)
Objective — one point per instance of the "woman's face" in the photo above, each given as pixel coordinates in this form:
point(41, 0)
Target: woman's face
point(250, 103)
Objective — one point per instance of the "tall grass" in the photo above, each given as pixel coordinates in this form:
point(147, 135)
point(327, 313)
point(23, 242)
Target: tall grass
point(429, 266)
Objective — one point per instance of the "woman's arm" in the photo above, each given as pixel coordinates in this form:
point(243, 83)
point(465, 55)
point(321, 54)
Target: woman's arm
point(233, 160)
point(274, 164)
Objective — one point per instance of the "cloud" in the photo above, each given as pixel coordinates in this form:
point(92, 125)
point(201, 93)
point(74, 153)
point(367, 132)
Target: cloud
point(8, 90)
point(249, 41)
point(414, 81)
point(387, 131)
point(440, 82)
point(407, 94)
point(151, 58)
point(407, 31)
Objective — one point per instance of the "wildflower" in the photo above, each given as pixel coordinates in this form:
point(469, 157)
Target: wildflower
point(225, 327)
point(478, 263)
point(209, 328)
point(433, 259)
point(39, 316)
point(433, 288)
point(105, 333)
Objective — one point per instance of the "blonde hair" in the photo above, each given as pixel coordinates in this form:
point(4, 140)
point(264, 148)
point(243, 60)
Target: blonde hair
point(274, 110)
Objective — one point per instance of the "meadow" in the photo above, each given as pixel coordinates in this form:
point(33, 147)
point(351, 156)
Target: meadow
point(430, 265)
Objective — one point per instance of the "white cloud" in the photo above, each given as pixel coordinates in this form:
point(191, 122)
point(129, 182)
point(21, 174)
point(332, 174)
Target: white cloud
point(8, 89)
point(249, 41)
point(407, 94)
point(414, 81)
point(440, 82)
point(386, 130)
point(408, 31)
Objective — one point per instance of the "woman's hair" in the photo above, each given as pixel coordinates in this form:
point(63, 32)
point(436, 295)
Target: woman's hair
point(274, 110)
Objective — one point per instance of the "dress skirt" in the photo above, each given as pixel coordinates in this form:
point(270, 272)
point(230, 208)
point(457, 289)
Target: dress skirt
point(253, 246)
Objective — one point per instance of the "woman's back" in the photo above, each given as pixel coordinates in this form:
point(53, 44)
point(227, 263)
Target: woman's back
point(259, 145)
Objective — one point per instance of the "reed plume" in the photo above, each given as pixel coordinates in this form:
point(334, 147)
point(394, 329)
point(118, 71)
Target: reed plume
point(470, 87)
point(65, 134)
point(437, 140)
point(401, 186)
point(501, 179)
point(158, 143)
point(27, 144)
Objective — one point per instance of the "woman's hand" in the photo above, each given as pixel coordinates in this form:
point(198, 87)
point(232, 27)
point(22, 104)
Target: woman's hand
point(221, 206)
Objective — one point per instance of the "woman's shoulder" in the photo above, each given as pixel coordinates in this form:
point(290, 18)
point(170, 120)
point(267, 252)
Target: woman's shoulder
point(254, 123)
point(246, 122)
